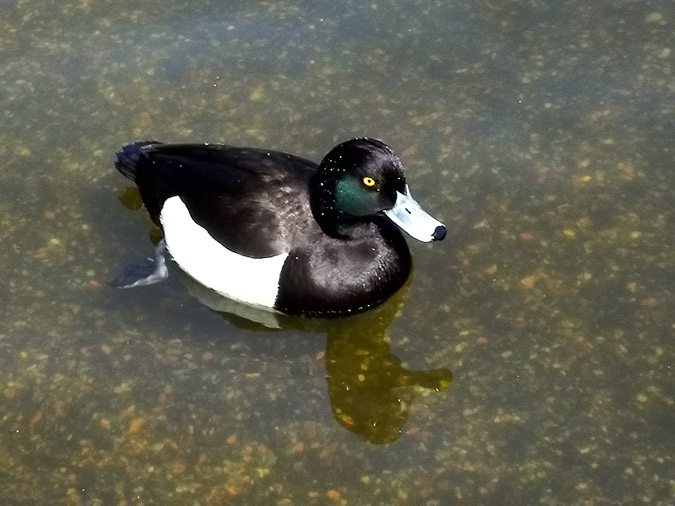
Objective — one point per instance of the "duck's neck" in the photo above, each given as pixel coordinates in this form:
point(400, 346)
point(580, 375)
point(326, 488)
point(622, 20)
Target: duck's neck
point(333, 221)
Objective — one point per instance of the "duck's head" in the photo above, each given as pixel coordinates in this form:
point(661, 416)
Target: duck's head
point(362, 178)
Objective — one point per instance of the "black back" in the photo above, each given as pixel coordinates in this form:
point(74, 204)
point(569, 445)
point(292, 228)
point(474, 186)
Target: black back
point(252, 201)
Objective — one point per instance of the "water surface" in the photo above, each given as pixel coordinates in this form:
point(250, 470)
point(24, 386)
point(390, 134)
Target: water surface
point(528, 360)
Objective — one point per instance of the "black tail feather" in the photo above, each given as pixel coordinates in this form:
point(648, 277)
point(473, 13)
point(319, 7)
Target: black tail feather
point(127, 158)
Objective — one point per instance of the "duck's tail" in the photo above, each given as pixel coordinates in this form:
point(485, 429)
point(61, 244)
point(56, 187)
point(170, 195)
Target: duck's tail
point(126, 160)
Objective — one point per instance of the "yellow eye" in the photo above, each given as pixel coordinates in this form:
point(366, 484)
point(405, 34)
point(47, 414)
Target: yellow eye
point(368, 181)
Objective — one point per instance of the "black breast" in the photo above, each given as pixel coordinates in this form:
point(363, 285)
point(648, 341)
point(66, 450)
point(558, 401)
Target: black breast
point(334, 277)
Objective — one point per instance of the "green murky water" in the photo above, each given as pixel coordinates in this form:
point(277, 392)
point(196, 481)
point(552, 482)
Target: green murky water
point(529, 359)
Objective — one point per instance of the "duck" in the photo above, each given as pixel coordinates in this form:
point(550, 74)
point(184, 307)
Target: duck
point(278, 231)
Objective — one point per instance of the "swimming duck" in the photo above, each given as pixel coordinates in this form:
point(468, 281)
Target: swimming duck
point(275, 230)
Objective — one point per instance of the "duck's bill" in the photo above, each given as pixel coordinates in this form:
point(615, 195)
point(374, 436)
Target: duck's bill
point(408, 215)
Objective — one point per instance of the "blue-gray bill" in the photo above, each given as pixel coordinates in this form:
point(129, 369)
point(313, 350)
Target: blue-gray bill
point(414, 220)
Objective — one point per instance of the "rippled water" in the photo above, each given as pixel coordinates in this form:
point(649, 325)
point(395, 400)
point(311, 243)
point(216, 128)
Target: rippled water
point(527, 361)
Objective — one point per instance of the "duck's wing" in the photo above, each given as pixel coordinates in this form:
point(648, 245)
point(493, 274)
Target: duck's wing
point(251, 201)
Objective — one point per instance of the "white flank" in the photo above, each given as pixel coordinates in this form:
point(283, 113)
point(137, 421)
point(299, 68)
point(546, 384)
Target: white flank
point(250, 280)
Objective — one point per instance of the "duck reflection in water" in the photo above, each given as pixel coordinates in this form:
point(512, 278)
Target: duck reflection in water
point(370, 391)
